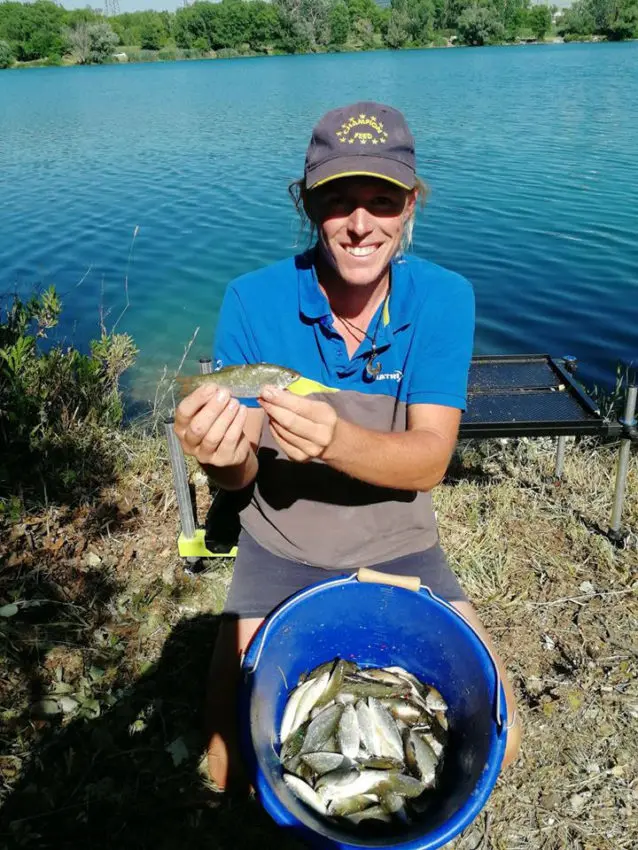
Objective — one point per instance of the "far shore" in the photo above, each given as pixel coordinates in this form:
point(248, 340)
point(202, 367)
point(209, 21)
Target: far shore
point(137, 56)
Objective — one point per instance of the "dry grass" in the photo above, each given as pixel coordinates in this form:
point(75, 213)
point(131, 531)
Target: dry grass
point(114, 635)
point(560, 600)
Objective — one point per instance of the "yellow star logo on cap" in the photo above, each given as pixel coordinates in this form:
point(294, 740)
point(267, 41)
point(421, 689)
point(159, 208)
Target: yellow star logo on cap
point(375, 141)
point(350, 141)
point(373, 118)
point(362, 115)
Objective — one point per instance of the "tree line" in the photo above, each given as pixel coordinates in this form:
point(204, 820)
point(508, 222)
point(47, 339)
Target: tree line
point(45, 31)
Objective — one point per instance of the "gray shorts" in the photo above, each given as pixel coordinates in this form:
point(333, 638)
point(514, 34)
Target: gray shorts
point(261, 580)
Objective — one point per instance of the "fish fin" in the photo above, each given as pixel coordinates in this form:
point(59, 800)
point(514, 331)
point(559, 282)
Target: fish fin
point(305, 386)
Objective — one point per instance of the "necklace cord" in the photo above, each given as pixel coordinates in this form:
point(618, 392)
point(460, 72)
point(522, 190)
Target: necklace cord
point(372, 369)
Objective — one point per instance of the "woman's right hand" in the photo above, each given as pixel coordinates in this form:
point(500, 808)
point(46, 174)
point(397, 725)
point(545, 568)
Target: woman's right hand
point(210, 426)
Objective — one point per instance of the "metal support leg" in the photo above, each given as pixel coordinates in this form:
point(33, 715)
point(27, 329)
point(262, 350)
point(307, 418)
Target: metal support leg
point(180, 478)
point(629, 421)
point(560, 456)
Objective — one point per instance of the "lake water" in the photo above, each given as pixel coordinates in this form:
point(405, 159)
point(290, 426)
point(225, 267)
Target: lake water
point(530, 154)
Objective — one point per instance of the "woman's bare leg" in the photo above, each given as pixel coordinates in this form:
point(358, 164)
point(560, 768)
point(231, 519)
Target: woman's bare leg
point(224, 762)
point(514, 732)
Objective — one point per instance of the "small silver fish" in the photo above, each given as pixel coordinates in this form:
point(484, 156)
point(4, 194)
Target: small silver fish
point(243, 381)
point(324, 762)
point(352, 805)
point(321, 729)
point(373, 813)
point(420, 758)
point(348, 732)
point(363, 744)
point(288, 725)
point(302, 790)
point(391, 743)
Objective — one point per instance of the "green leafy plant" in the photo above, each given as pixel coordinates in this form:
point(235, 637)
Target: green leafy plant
point(56, 404)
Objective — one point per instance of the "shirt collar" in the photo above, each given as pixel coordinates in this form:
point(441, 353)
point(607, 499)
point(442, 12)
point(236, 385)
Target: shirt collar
point(397, 315)
point(313, 304)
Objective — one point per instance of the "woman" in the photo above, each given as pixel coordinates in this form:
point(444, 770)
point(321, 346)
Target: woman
point(337, 480)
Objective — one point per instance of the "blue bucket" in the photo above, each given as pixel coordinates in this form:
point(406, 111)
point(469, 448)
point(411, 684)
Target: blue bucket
point(376, 624)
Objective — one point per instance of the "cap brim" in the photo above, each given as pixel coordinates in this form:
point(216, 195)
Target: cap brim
point(362, 166)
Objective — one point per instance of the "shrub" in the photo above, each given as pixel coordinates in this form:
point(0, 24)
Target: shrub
point(6, 55)
point(91, 42)
point(135, 55)
point(57, 406)
point(202, 44)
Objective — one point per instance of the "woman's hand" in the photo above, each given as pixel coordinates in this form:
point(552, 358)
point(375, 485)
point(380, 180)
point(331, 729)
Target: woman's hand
point(210, 426)
point(304, 428)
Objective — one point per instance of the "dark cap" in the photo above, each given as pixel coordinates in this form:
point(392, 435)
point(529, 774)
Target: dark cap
point(365, 138)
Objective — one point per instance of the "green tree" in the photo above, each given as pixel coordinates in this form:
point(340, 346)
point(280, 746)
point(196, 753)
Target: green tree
point(625, 23)
point(92, 43)
point(511, 14)
point(364, 10)
point(479, 25)
point(339, 23)
point(421, 16)
point(540, 20)
point(151, 34)
point(577, 20)
point(398, 31)
point(6, 55)
point(263, 24)
point(189, 25)
point(305, 24)
point(617, 19)
point(33, 30)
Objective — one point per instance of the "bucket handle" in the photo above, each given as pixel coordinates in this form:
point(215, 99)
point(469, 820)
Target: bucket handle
point(412, 583)
point(365, 574)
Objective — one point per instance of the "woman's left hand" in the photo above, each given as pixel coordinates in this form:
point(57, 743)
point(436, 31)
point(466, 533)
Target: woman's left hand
point(304, 428)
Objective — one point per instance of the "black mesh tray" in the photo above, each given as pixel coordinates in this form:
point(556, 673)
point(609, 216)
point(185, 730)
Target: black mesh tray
point(528, 395)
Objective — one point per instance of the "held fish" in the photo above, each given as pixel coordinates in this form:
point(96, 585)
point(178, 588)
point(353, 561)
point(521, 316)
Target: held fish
point(244, 381)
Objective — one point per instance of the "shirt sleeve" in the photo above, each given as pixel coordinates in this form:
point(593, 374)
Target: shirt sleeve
point(235, 343)
point(442, 349)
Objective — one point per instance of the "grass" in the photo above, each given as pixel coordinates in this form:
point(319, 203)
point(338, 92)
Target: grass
point(106, 642)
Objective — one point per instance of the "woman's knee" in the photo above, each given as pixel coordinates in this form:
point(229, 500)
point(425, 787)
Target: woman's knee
point(514, 736)
point(514, 732)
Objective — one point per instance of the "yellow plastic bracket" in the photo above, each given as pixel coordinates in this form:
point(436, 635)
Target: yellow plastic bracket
point(196, 547)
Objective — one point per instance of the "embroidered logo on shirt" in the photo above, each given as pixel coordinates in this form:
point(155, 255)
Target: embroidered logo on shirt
point(354, 130)
point(390, 376)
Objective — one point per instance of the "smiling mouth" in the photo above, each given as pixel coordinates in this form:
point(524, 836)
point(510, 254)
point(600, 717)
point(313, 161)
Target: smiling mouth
point(360, 250)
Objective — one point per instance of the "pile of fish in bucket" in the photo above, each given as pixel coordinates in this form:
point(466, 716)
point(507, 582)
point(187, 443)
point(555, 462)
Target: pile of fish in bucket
point(363, 744)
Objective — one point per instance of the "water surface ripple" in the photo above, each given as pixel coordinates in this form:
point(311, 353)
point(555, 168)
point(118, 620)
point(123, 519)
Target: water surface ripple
point(530, 154)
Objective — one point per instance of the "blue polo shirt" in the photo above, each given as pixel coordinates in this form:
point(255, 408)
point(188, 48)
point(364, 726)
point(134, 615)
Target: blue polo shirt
point(424, 340)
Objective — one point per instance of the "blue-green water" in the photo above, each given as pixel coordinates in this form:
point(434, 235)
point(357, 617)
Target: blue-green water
point(530, 153)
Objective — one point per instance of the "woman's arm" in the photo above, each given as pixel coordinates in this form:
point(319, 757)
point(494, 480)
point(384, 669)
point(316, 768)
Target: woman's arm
point(413, 460)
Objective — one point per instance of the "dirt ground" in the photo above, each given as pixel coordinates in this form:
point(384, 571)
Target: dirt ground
point(106, 640)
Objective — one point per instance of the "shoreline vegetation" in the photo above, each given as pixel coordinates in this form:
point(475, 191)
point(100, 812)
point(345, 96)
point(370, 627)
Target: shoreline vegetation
point(106, 637)
point(42, 33)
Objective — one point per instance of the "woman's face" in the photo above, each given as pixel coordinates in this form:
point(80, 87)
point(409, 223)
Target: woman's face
point(360, 222)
